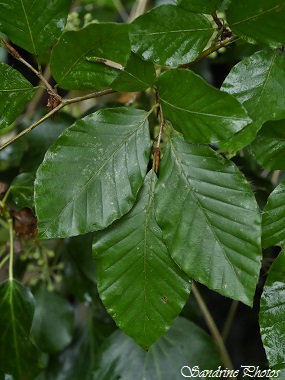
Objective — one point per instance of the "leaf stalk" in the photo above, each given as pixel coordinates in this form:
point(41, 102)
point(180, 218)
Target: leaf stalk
point(213, 328)
point(216, 46)
point(11, 256)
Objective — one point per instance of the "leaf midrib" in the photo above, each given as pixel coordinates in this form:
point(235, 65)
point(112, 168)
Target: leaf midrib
point(200, 206)
point(202, 113)
point(28, 25)
point(94, 174)
point(280, 6)
point(265, 81)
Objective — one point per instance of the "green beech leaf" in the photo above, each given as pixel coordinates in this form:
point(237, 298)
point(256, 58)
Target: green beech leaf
point(260, 21)
point(240, 139)
point(97, 167)
point(76, 361)
point(269, 145)
point(79, 268)
point(206, 6)
point(53, 322)
point(272, 313)
point(18, 356)
point(202, 113)
point(184, 344)
point(169, 35)
point(209, 219)
point(258, 83)
point(74, 62)
point(137, 274)
point(21, 190)
point(15, 93)
point(273, 227)
point(138, 75)
point(33, 25)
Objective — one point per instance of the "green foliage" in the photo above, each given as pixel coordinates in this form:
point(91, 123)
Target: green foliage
point(207, 6)
point(15, 92)
point(87, 159)
point(73, 59)
point(184, 340)
point(260, 23)
point(211, 196)
point(204, 116)
point(110, 209)
point(53, 322)
point(141, 278)
point(18, 356)
point(36, 25)
point(152, 35)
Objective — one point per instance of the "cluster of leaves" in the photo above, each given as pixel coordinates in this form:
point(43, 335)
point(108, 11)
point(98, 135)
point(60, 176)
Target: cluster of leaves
point(156, 218)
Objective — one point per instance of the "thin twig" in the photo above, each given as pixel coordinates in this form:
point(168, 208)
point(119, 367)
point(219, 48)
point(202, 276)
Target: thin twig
point(88, 96)
point(121, 10)
point(16, 55)
point(11, 256)
point(210, 50)
point(63, 103)
point(229, 320)
point(138, 9)
point(38, 96)
point(217, 21)
point(213, 328)
point(157, 149)
point(6, 258)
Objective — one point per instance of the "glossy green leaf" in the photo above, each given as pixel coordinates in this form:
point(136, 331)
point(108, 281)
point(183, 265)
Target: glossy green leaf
point(18, 357)
point(209, 219)
point(79, 268)
point(73, 59)
point(184, 344)
point(206, 6)
point(136, 272)
point(273, 226)
point(202, 113)
point(15, 93)
point(22, 190)
point(97, 167)
point(258, 21)
point(258, 83)
point(269, 145)
point(240, 139)
point(138, 75)
point(53, 322)
point(33, 25)
point(169, 35)
point(272, 313)
point(76, 361)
